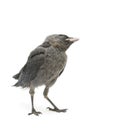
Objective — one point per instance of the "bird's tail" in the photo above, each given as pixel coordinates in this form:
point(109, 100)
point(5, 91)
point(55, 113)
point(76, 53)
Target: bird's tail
point(21, 84)
point(17, 84)
point(16, 76)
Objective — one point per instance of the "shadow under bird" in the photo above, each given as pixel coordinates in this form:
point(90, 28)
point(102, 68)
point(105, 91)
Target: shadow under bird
point(44, 65)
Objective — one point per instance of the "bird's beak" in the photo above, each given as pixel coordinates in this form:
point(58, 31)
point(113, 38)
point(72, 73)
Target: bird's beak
point(71, 39)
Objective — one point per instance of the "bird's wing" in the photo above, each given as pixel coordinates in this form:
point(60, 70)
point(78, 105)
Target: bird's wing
point(33, 54)
point(31, 68)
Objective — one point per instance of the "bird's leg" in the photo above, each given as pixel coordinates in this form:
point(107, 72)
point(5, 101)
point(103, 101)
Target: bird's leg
point(56, 109)
point(31, 91)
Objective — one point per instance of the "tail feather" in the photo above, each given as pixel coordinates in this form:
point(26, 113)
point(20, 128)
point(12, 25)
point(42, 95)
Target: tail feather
point(17, 84)
point(16, 76)
point(21, 84)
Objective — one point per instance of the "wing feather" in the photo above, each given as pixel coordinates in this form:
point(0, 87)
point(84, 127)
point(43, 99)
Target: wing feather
point(31, 68)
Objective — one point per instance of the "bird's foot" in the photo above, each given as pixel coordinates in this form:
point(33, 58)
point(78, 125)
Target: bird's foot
point(34, 112)
point(56, 109)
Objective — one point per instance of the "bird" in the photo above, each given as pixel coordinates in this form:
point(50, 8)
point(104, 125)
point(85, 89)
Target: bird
point(43, 67)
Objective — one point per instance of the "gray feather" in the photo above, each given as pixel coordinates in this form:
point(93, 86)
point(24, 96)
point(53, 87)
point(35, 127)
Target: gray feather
point(30, 70)
point(46, 63)
point(16, 76)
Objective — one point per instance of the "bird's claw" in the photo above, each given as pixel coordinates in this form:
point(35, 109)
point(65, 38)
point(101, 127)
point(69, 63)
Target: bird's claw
point(56, 109)
point(34, 112)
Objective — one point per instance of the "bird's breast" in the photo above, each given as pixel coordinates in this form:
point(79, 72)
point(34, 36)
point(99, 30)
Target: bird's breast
point(55, 62)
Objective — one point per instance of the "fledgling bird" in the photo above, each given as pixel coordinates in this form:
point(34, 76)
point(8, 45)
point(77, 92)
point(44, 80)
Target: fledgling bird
point(44, 65)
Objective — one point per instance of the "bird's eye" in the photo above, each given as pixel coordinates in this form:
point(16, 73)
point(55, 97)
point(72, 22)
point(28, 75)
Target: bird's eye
point(63, 36)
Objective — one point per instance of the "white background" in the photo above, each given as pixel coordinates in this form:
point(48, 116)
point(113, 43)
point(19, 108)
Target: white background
point(88, 85)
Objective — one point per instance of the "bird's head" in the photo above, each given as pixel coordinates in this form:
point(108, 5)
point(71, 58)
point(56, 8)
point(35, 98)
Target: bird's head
point(60, 41)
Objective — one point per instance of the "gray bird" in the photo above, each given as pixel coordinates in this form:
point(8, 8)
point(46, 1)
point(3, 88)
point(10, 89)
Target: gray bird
point(44, 65)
